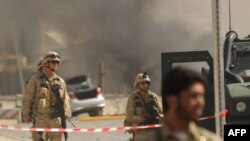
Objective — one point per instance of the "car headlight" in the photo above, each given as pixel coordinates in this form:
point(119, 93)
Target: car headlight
point(241, 106)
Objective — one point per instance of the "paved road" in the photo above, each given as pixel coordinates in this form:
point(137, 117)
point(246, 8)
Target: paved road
point(6, 135)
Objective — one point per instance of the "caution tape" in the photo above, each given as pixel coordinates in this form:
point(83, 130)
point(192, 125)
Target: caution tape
point(95, 130)
point(76, 130)
point(221, 114)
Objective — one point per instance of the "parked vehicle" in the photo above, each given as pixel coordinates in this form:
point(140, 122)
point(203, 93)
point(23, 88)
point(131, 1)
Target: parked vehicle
point(84, 97)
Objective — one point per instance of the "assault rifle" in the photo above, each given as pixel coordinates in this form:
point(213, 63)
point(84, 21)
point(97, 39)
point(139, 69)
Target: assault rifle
point(59, 108)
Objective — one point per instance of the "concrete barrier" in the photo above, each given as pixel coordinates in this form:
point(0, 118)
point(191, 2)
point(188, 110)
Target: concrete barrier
point(115, 105)
point(10, 116)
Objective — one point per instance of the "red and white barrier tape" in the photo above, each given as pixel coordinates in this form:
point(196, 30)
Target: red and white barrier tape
point(89, 130)
point(221, 114)
point(92, 130)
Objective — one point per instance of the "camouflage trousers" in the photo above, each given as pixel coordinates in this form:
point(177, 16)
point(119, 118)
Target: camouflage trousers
point(139, 134)
point(44, 121)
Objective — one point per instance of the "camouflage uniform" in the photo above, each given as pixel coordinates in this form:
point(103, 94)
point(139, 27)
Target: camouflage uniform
point(137, 108)
point(195, 133)
point(39, 96)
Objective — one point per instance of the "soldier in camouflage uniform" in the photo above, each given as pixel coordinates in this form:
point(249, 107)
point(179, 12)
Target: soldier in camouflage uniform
point(183, 94)
point(142, 106)
point(38, 95)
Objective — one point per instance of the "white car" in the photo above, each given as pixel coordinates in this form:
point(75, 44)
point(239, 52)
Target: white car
point(84, 98)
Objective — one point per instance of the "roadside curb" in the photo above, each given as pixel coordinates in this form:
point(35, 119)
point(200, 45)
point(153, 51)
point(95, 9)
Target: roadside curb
point(10, 116)
point(8, 121)
point(8, 136)
point(119, 117)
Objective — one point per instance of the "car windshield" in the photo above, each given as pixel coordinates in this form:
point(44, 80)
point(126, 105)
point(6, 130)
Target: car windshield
point(77, 83)
point(76, 80)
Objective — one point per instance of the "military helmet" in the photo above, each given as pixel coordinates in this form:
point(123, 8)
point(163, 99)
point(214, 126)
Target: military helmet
point(51, 56)
point(40, 64)
point(141, 77)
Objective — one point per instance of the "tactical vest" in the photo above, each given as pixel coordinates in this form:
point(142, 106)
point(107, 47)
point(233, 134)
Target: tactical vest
point(45, 99)
point(146, 107)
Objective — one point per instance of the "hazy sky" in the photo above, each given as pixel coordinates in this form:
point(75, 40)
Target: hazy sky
point(128, 36)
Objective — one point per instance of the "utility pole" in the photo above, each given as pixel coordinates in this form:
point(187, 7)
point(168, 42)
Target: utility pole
point(19, 65)
point(101, 75)
point(219, 91)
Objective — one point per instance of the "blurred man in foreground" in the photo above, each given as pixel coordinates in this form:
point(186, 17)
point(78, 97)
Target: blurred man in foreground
point(183, 94)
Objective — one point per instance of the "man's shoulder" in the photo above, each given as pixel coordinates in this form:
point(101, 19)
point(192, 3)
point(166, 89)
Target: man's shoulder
point(211, 136)
point(34, 76)
point(133, 95)
point(60, 78)
point(162, 133)
point(153, 94)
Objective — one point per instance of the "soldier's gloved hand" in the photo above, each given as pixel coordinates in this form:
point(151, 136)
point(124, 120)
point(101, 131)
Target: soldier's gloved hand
point(26, 118)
